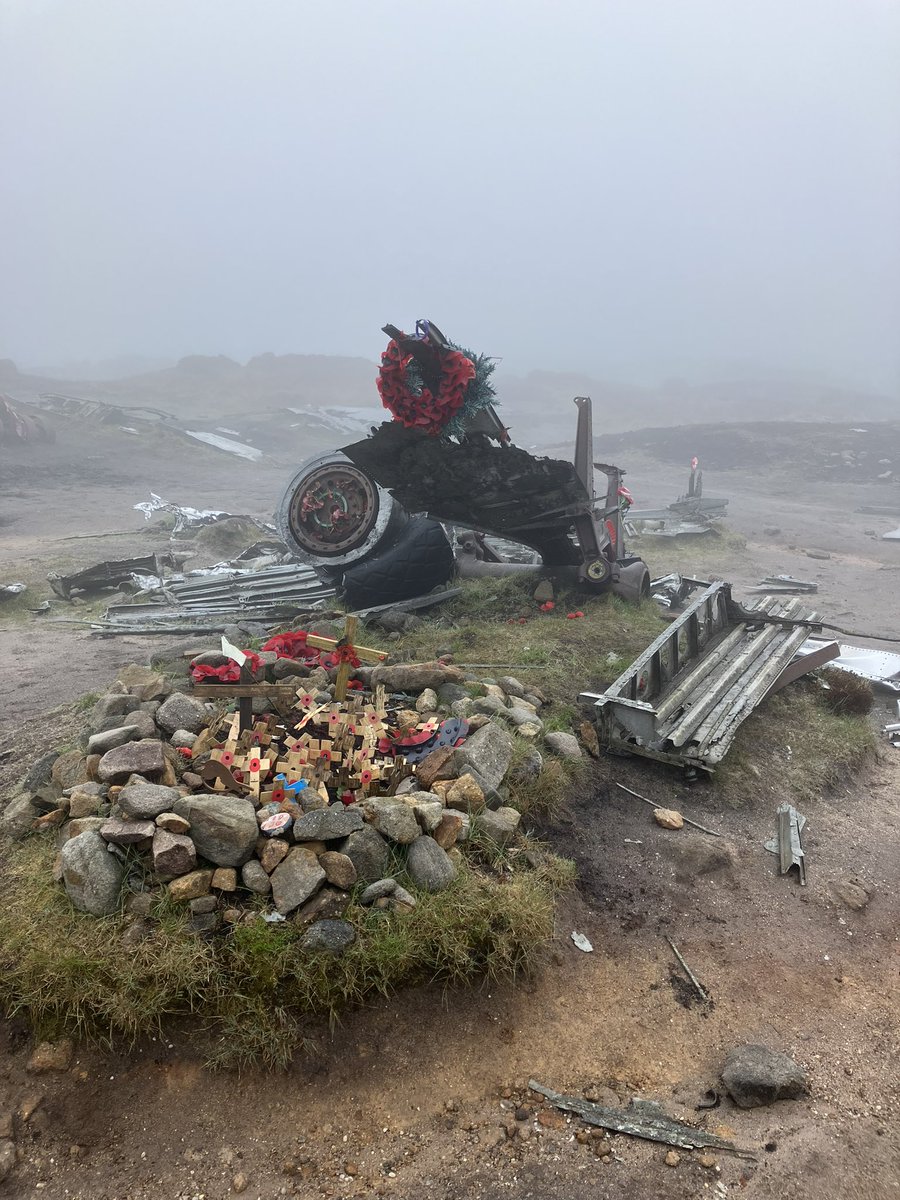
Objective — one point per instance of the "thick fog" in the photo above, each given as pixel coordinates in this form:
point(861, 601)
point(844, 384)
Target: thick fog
point(636, 188)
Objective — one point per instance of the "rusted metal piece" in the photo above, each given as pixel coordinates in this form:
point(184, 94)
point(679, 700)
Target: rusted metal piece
point(683, 699)
point(642, 1119)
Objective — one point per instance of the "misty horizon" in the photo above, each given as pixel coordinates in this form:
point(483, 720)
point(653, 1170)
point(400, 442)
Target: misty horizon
point(634, 192)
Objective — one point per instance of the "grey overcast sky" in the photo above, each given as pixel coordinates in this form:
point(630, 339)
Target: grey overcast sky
point(634, 188)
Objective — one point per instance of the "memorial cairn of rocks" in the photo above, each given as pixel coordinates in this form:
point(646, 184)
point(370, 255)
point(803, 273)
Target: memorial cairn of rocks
point(317, 804)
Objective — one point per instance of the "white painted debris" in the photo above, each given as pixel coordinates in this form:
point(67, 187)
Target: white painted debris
point(227, 444)
point(185, 517)
point(880, 667)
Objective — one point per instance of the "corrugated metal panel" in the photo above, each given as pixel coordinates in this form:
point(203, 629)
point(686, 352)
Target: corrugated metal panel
point(682, 700)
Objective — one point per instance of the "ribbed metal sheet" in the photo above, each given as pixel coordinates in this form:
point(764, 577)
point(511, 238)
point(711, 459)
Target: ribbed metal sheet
point(683, 699)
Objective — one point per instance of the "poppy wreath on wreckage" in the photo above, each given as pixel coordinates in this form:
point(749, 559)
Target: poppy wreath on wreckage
point(464, 389)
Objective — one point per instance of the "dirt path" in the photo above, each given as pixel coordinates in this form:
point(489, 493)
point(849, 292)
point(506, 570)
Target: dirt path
point(411, 1096)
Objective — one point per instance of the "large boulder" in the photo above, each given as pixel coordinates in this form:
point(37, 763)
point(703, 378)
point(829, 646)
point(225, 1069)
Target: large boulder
point(145, 757)
point(223, 828)
point(335, 936)
point(465, 794)
point(414, 678)
point(116, 704)
point(499, 826)
point(99, 743)
point(173, 853)
point(295, 880)
point(182, 712)
point(91, 874)
point(487, 754)
point(40, 772)
point(394, 819)
point(369, 853)
point(18, 817)
point(326, 824)
point(144, 682)
point(755, 1075)
point(146, 801)
point(339, 869)
point(70, 769)
point(254, 877)
point(127, 833)
point(429, 867)
point(566, 745)
point(72, 829)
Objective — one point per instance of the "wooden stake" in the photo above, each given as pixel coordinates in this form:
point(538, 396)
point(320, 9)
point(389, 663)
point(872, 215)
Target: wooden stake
point(345, 669)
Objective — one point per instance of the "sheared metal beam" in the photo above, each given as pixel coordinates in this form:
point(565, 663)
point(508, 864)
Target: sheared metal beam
point(682, 700)
point(787, 843)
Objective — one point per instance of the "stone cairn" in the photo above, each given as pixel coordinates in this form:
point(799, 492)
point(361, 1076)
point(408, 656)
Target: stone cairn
point(281, 821)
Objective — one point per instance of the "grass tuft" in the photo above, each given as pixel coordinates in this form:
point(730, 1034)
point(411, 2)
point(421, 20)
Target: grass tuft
point(798, 744)
point(845, 693)
point(255, 989)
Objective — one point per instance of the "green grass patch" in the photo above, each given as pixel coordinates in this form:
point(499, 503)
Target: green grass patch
point(254, 990)
point(698, 554)
point(561, 656)
point(796, 745)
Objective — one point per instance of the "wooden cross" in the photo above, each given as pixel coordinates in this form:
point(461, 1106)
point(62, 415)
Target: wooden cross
point(345, 670)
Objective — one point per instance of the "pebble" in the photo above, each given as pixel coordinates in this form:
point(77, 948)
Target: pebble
point(673, 1158)
point(668, 818)
point(240, 1183)
point(51, 1056)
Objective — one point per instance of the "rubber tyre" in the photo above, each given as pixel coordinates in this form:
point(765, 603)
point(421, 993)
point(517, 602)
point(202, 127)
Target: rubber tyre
point(421, 559)
point(394, 520)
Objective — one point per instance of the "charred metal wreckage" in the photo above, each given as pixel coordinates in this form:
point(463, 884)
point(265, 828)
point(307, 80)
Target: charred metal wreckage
point(369, 518)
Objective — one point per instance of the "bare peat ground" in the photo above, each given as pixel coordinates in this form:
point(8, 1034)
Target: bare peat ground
point(408, 1097)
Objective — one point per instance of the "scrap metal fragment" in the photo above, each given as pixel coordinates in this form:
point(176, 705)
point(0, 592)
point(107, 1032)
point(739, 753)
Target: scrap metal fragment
point(801, 664)
point(787, 585)
point(880, 667)
point(787, 843)
point(642, 1119)
point(109, 574)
